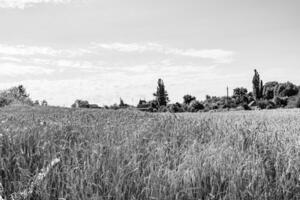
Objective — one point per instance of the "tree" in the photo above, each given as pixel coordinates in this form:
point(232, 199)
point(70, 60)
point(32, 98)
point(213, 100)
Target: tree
point(269, 90)
point(240, 95)
point(80, 104)
point(161, 94)
point(195, 106)
point(122, 104)
point(18, 93)
point(239, 92)
point(22, 91)
point(286, 89)
point(257, 86)
point(207, 97)
point(187, 99)
point(44, 103)
point(36, 103)
point(175, 108)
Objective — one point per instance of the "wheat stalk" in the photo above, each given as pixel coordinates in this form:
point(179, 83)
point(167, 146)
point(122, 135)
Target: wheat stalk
point(37, 181)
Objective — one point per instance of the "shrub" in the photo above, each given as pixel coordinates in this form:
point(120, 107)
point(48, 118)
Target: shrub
point(195, 106)
point(163, 109)
point(150, 106)
point(240, 95)
point(5, 101)
point(262, 104)
point(114, 107)
point(298, 102)
point(16, 95)
point(270, 105)
point(80, 104)
point(280, 101)
point(246, 107)
point(187, 99)
point(122, 104)
point(36, 103)
point(268, 90)
point(286, 90)
point(174, 108)
point(214, 106)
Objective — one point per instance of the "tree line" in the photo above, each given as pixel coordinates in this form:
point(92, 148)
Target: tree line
point(270, 95)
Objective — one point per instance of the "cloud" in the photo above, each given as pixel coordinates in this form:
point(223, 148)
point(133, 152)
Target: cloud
point(22, 4)
point(22, 50)
point(217, 55)
point(13, 69)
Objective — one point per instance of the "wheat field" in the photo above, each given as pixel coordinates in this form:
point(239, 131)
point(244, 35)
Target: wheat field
point(127, 154)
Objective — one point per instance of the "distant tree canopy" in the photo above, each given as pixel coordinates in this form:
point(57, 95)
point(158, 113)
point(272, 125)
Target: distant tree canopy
point(265, 96)
point(240, 95)
point(44, 103)
point(195, 106)
point(161, 94)
point(80, 104)
point(16, 94)
point(268, 90)
point(36, 103)
point(286, 89)
point(122, 104)
point(240, 92)
point(187, 99)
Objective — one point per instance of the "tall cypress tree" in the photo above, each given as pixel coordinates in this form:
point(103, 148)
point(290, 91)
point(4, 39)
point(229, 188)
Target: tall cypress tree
point(161, 94)
point(256, 85)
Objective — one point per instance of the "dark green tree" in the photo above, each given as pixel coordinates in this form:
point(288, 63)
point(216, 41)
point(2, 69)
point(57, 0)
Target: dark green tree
point(121, 103)
point(240, 95)
point(239, 92)
point(187, 99)
point(44, 103)
point(269, 90)
point(257, 86)
point(36, 103)
point(161, 94)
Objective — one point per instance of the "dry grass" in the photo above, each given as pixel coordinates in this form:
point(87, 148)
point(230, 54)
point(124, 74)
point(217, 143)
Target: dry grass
point(131, 155)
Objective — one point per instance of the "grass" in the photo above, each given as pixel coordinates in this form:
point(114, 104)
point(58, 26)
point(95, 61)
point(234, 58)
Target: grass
point(127, 154)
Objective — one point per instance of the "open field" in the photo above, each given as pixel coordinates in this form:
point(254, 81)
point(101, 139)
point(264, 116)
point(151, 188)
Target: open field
point(126, 154)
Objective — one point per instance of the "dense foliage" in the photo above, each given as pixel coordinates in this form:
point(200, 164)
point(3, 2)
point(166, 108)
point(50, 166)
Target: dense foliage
point(161, 94)
point(15, 95)
point(270, 95)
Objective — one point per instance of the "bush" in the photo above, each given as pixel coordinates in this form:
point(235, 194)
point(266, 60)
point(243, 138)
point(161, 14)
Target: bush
point(280, 101)
point(246, 107)
point(270, 105)
point(174, 108)
point(195, 106)
point(262, 104)
point(298, 103)
point(163, 109)
point(113, 107)
point(80, 104)
point(5, 101)
point(187, 99)
point(286, 90)
point(268, 90)
point(214, 106)
point(240, 95)
point(16, 95)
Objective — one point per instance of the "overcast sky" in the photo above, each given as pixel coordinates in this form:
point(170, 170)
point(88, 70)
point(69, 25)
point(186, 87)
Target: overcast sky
point(101, 50)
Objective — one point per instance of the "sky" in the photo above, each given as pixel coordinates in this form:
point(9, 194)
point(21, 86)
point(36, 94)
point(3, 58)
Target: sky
point(101, 51)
